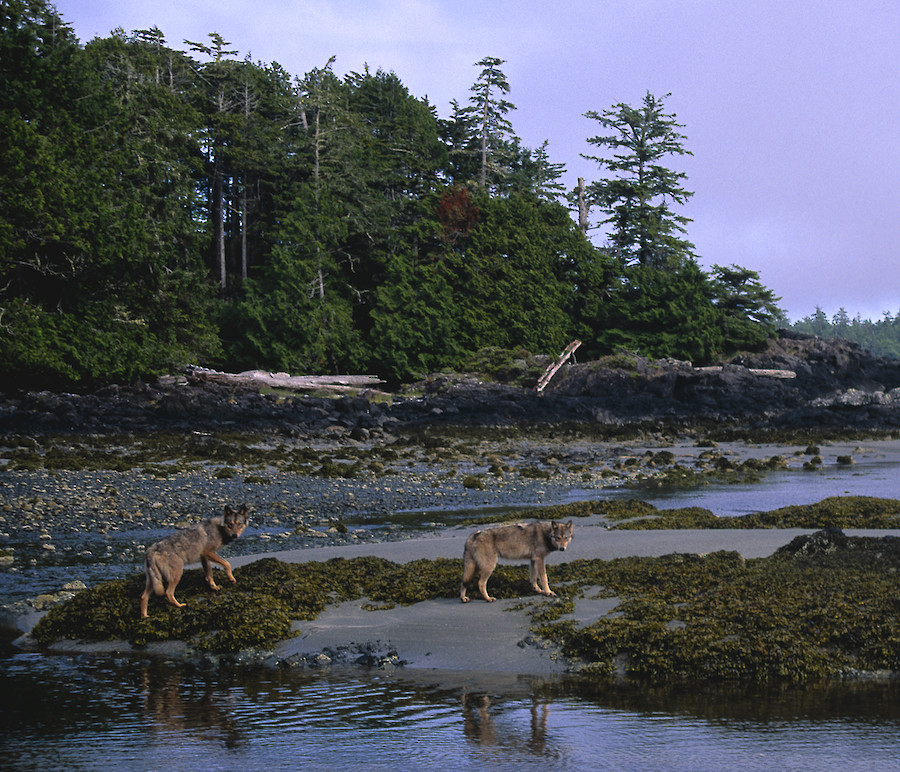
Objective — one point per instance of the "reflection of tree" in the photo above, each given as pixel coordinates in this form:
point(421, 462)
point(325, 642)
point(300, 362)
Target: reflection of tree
point(480, 728)
point(174, 705)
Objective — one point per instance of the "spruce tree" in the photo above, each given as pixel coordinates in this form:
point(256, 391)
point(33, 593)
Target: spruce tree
point(487, 112)
point(637, 199)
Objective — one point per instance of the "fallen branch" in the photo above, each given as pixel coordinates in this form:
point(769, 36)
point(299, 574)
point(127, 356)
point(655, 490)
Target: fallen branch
point(752, 370)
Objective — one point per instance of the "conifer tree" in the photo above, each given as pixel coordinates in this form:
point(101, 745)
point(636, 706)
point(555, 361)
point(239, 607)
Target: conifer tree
point(637, 199)
point(488, 110)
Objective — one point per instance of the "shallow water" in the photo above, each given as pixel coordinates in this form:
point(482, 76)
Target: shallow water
point(780, 489)
point(81, 713)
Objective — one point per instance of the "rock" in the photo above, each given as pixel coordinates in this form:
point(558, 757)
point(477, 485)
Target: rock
point(819, 543)
point(838, 385)
point(833, 541)
point(17, 620)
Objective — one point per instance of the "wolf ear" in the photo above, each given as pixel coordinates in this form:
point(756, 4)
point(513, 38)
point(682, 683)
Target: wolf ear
point(228, 511)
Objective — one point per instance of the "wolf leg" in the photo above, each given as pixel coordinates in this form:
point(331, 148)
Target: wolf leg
point(468, 575)
point(485, 570)
point(145, 596)
point(172, 583)
point(539, 577)
point(208, 573)
point(216, 558)
point(154, 585)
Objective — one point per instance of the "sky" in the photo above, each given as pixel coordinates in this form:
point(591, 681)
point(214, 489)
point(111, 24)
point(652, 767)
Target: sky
point(791, 108)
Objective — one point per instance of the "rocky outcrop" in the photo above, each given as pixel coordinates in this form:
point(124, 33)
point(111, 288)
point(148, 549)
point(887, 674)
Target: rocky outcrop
point(838, 386)
point(833, 541)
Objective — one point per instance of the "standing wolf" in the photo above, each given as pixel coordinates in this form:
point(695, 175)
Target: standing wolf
point(166, 559)
point(513, 542)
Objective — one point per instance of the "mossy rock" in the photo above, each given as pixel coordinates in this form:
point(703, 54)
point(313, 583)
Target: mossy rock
point(474, 482)
point(833, 512)
point(801, 614)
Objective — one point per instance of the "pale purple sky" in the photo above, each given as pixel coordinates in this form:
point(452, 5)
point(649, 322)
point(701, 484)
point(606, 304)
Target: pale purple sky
point(790, 107)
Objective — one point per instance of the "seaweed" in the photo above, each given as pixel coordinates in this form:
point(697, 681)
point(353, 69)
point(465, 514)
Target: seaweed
point(832, 512)
point(259, 609)
point(787, 617)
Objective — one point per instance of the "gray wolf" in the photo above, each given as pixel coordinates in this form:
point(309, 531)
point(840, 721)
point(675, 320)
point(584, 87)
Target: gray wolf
point(167, 558)
point(533, 541)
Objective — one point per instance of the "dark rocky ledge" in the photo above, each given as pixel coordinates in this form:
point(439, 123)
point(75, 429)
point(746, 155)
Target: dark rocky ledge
point(838, 386)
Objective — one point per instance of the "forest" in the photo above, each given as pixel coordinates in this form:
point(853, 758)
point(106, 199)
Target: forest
point(881, 336)
point(161, 207)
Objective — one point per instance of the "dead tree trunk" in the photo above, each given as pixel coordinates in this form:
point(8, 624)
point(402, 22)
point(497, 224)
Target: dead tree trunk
point(582, 207)
point(561, 360)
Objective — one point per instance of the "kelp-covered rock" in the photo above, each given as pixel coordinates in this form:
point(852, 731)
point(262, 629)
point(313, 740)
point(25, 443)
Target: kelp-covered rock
point(834, 542)
point(258, 610)
point(824, 606)
point(792, 616)
point(219, 622)
point(834, 512)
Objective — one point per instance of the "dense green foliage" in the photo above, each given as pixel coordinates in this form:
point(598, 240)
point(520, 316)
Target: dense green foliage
point(161, 207)
point(881, 337)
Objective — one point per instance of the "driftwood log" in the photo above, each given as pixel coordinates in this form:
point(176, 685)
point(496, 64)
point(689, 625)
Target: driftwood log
point(259, 378)
point(764, 373)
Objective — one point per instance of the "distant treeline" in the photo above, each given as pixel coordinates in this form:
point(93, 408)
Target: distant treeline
point(880, 337)
point(161, 207)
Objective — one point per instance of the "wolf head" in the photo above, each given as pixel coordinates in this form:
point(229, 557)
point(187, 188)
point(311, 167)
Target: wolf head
point(235, 521)
point(561, 534)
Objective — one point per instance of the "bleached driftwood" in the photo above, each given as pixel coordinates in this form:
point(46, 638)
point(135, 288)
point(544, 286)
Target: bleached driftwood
point(752, 371)
point(286, 381)
point(560, 361)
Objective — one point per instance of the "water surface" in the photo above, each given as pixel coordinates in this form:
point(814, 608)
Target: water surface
point(80, 713)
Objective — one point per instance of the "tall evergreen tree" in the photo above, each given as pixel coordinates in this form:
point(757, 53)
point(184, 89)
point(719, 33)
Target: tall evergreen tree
point(350, 228)
point(532, 171)
point(660, 313)
point(750, 311)
point(457, 133)
point(487, 112)
point(95, 279)
point(299, 307)
point(636, 200)
point(219, 102)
